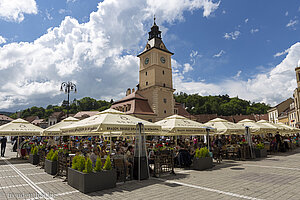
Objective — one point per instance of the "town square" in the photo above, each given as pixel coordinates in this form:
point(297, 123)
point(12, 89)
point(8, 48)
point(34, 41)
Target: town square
point(145, 99)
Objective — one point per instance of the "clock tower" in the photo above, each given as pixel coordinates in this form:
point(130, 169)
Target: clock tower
point(155, 75)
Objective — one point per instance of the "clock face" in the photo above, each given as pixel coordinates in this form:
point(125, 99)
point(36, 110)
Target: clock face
point(162, 59)
point(146, 61)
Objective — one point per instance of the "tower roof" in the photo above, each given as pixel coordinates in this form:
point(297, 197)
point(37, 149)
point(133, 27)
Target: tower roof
point(155, 40)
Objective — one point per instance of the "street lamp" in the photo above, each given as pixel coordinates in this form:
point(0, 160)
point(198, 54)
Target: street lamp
point(67, 87)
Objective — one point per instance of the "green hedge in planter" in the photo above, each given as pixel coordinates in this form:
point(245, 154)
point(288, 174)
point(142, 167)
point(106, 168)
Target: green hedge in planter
point(260, 146)
point(98, 166)
point(50, 154)
point(34, 150)
point(202, 159)
point(202, 153)
point(88, 180)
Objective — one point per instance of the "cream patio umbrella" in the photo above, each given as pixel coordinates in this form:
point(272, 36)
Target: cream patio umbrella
point(289, 129)
point(109, 121)
point(225, 127)
point(54, 130)
point(178, 125)
point(276, 128)
point(20, 127)
point(257, 128)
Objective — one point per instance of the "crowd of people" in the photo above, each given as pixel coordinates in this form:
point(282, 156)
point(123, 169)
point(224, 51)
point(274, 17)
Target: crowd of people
point(183, 147)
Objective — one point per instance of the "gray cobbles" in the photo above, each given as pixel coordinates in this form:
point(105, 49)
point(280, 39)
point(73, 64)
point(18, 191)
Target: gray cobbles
point(277, 177)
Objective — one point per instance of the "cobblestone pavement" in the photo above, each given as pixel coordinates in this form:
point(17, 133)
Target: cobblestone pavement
point(276, 177)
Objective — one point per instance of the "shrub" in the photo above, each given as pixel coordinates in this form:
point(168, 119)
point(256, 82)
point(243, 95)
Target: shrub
point(260, 146)
point(107, 164)
point(75, 162)
point(197, 153)
point(34, 150)
point(88, 166)
point(98, 166)
point(81, 163)
point(49, 155)
point(55, 156)
point(202, 153)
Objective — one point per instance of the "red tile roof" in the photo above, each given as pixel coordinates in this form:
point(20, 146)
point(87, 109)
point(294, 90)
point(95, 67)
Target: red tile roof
point(135, 103)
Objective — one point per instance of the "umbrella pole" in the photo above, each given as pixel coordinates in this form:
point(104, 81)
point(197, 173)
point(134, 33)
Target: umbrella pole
point(18, 145)
point(207, 138)
point(110, 144)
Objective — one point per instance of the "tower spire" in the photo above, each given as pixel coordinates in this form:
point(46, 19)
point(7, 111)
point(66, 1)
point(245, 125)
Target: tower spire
point(155, 32)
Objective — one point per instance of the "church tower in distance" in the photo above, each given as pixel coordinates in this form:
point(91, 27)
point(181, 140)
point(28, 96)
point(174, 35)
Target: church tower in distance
point(155, 75)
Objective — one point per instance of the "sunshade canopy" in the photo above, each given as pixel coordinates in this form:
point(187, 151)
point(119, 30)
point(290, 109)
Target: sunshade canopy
point(225, 127)
point(278, 128)
point(54, 130)
point(111, 121)
point(179, 125)
point(257, 128)
point(288, 129)
point(20, 127)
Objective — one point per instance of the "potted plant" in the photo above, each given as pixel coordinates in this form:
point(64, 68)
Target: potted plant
point(51, 162)
point(202, 159)
point(84, 178)
point(260, 151)
point(33, 156)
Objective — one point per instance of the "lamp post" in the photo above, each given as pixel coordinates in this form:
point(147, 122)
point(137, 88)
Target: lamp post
point(67, 87)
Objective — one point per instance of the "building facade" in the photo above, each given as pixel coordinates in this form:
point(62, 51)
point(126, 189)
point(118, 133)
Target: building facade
point(292, 115)
point(278, 110)
point(297, 97)
point(153, 100)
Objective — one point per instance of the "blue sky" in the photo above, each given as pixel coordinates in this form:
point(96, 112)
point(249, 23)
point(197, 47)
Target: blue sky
point(245, 48)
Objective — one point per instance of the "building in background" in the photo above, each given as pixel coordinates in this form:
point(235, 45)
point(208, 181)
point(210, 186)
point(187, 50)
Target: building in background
point(153, 100)
point(277, 110)
point(4, 119)
point(292, 115)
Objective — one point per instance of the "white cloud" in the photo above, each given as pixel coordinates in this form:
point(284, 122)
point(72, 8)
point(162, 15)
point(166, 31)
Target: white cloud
point(254, 30)
point(98, 55)
point(246, 20)
point(292, 23)
point(281, 53)
point(286, 13)
point(14, 10)
point(221, 53)
point(233, 35)
point(2, 40)
point(48, 15)
point(187, 68)
point(238, 74)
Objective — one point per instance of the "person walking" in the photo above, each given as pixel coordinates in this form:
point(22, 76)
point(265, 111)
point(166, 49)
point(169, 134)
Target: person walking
point(3, 145)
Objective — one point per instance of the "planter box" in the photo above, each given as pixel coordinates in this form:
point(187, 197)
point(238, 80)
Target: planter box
point(34, 159)
point(92, 182)
point(260, 153)
point(51, 167)
point(202, 163)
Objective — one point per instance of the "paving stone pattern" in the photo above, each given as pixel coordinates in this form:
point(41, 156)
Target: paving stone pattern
point(276, 177)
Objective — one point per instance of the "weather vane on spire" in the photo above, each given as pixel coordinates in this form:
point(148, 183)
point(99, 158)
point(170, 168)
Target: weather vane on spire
point(154, 19)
